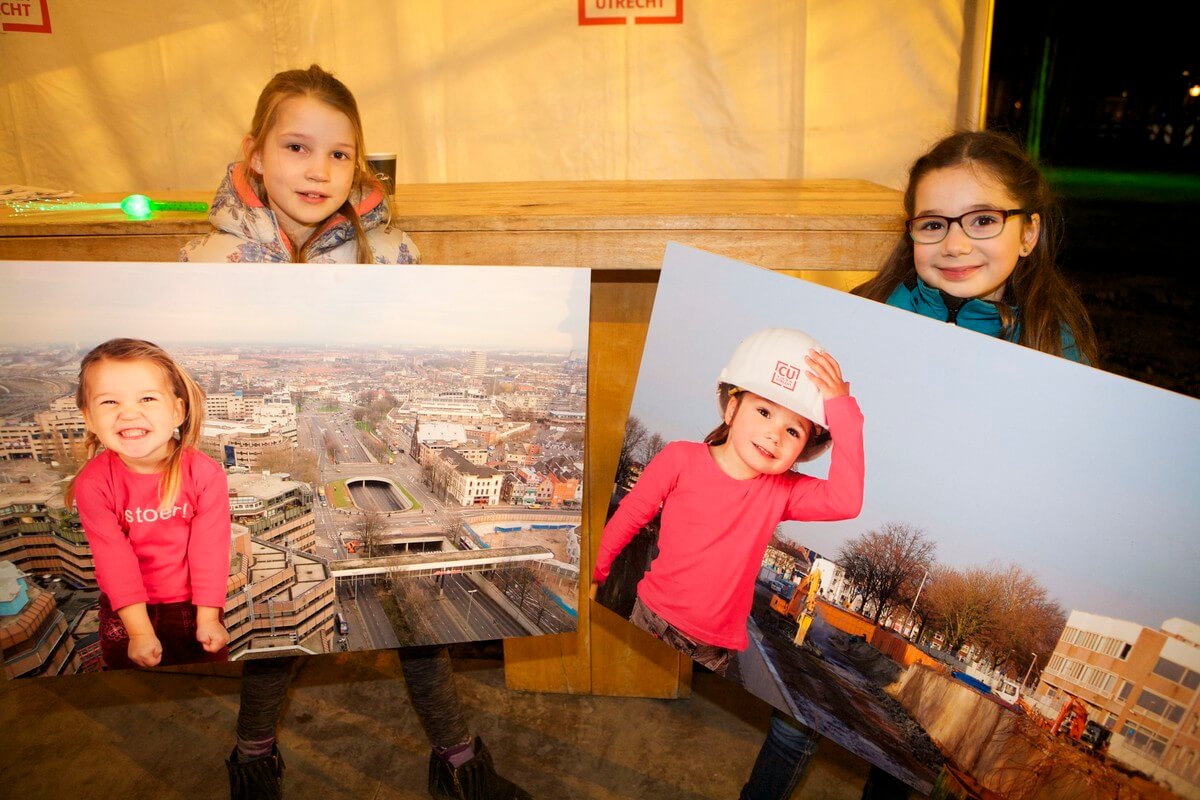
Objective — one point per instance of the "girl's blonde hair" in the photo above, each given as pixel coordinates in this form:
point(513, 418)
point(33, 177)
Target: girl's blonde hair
point(320, 85)
point(182, 386)
point(1045, 302)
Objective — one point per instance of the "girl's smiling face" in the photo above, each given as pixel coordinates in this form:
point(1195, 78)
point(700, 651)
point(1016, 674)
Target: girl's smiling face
point(959, 265)
point(308, 162)
point(764, 437)
point(132, 410)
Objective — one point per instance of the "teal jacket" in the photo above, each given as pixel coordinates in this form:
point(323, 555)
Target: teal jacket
point(980, 316)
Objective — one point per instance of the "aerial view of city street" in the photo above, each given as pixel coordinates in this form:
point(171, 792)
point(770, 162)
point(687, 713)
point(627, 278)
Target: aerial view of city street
point(388, 486)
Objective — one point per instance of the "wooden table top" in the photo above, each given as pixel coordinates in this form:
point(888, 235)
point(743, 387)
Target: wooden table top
point(781, 205)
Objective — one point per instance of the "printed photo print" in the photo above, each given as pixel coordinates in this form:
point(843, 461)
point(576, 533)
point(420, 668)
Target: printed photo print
point(963, 560)
point(224, 462)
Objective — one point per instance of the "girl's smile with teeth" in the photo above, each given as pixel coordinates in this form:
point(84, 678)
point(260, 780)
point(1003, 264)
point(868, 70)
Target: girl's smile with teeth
point(133, 411)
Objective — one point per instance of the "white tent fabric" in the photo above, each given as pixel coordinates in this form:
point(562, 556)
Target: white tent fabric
point(142, 95)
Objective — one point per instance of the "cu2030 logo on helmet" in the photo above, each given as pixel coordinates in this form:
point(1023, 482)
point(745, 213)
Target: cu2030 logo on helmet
point(785, 375)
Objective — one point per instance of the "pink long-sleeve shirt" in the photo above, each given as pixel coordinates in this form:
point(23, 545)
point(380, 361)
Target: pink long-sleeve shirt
point(144, 555)
point(715, 529)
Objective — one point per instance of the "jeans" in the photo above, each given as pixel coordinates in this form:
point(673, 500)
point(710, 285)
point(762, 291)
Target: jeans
point(782, 761)
point(428, 676)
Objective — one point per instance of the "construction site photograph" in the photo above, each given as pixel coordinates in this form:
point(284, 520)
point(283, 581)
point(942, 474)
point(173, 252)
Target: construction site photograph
point(404, 465)
point(1012, 613)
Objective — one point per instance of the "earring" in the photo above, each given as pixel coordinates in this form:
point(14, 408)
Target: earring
point(175, 435)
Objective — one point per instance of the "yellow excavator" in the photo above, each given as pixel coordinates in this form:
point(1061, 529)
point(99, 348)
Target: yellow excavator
point(800, 606)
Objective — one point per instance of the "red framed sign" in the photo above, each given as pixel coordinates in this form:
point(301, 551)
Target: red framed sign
point(620, 12)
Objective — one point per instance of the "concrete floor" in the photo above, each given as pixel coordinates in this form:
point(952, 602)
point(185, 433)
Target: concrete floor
point(349, 732)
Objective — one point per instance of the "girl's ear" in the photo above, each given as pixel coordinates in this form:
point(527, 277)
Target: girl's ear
point(731, 408)
point(179, 414)
point(1030, 234)
point(250, 156)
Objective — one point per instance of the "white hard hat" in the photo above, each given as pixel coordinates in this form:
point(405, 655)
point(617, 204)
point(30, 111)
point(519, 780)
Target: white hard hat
point(771, 364)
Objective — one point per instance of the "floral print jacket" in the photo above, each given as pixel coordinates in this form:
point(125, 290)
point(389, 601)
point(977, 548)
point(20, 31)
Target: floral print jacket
point(246, 229)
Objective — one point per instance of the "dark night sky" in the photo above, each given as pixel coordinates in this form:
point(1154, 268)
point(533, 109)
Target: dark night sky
point(1141, 50)
point(1129, 208)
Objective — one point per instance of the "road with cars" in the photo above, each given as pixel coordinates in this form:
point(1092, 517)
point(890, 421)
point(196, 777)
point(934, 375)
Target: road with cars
point(462, 611)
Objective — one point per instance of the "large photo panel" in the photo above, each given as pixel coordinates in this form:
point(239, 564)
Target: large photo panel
point(1027, 538)
point(402, 449)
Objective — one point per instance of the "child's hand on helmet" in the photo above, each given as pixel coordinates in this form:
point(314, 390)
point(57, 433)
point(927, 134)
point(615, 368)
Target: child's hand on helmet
point(826, 375)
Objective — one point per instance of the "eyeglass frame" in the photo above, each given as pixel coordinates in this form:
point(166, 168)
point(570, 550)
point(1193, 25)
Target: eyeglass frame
point(1004, 215)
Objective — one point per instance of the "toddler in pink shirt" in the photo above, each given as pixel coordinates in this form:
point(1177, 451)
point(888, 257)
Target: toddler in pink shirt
point(782, 401)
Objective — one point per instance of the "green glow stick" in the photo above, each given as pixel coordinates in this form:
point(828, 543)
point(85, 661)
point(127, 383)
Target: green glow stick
point(135, 206)
point(138, 206)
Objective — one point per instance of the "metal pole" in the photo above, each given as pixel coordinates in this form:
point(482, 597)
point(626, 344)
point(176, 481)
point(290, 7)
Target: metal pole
point(470, 603)
point(1028, 672)
point(913, 608)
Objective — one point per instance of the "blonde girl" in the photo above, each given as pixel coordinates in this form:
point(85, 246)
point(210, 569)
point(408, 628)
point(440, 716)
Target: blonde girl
point(304, 193)
point(155, 509)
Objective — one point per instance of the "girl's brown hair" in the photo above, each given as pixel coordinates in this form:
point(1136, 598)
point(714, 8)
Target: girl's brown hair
point(320, 85)
point(182, 386)
point(1044, 300)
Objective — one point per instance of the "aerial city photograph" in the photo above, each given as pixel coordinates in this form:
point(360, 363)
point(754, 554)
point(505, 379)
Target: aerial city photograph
point(411, 474)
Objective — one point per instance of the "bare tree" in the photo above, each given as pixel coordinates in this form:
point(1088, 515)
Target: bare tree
point(409, 603)
point(331, 447)
point(653, 447)
point(883, 563)
point(377, 410)
point(1024, 619)
point(1003, 611)
point(300, 464)
point(375, 446)
point(958, 603)
point(371, 528)
point(631, 447)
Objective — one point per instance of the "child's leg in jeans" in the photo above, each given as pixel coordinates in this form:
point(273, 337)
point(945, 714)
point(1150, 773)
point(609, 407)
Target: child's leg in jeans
point(459, 767)
point(264, 689)
point(429, 677)
point(782, 761)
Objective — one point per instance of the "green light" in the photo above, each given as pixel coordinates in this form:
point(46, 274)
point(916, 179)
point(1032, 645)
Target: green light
point(178, 205)
point(136, 206)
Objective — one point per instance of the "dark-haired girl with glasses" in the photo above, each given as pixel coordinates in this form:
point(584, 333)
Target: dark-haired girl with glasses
point(977, 251)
